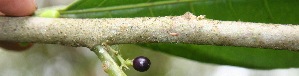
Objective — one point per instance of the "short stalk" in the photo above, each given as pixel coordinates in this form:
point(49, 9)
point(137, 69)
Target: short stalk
point(113, 52)
point(109, 65)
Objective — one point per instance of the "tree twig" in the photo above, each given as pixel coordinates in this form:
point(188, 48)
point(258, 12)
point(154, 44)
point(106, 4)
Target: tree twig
point(108, 63)
point(171, 29)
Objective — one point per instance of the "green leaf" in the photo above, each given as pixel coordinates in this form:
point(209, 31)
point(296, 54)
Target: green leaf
point(237, 56)
point(266, 11)
point(126, 8)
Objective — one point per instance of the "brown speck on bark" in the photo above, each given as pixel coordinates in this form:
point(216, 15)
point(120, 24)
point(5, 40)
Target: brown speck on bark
point(174, 34)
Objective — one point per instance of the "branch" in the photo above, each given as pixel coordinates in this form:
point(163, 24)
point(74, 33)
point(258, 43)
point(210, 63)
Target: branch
point(108, 63)
point(187, 28)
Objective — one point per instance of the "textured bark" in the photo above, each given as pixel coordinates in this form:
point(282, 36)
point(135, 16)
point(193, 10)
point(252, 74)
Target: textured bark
point(170, 29)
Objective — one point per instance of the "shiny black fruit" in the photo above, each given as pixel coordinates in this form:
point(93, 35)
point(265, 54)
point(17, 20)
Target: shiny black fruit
point(141, 63)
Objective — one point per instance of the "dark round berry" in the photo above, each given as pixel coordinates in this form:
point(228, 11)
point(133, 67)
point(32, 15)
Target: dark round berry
point(141, 63)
